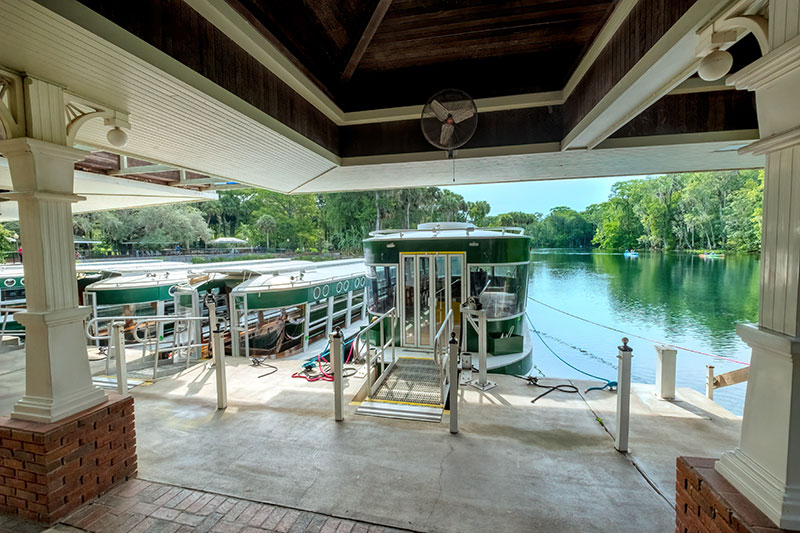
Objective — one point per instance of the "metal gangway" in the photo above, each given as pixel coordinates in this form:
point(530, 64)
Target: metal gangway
point(408, 386)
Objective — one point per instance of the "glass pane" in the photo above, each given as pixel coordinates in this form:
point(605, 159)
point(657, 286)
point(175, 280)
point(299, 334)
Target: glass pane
point(425, 301)
point(501, 289)
point(440, 296)
point(381, 282)
point(409, 283)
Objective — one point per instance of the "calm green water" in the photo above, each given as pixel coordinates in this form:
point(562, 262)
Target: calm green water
point(678, 298)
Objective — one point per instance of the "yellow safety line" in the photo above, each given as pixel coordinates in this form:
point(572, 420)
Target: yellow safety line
point(437, 405)
point(420, 358)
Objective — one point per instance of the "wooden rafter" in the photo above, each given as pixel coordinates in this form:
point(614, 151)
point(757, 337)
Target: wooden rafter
point(366, 37)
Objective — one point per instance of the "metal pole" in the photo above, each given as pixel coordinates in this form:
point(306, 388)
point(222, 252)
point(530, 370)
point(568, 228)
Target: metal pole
point(383, 346)
point(623, 396)
point(394, 331)
point(337, 362)
point(218, 352)
point(347, 317)
point(118, 344)
point(454, 381)
point(710, 382)
point(234, 322)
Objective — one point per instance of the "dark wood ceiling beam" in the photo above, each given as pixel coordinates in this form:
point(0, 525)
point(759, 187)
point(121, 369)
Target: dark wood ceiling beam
point(366, 37)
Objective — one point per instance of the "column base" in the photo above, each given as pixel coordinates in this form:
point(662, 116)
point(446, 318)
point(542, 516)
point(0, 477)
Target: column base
point(47, 410)
point(779, 502)
point(48, 470)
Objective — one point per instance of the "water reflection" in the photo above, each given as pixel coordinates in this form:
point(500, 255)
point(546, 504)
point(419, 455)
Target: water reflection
point(678, 298)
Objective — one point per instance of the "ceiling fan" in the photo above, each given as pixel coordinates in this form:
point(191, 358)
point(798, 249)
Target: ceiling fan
point(449, 120)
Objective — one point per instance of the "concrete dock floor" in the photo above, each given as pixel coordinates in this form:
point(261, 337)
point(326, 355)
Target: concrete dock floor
point(514, 466)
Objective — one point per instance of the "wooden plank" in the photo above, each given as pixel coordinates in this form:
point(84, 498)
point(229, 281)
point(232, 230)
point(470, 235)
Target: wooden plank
point(366, 37)
point(732, 378)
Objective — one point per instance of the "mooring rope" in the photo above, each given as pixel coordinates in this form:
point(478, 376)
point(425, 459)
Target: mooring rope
point(636, 336)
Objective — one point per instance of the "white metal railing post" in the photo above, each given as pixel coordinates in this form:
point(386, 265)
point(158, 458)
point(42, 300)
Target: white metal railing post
point(307, 325)
point(453, 363)
point(347, 316)
point(233, 313)
point(383, 345)
point(329, 318)
point(337, 362)
point(364, 305)
point(218, 353)
point(117, 343)
point(623, 396)
point(394, 331)
point(710, 382)
point(665, 372)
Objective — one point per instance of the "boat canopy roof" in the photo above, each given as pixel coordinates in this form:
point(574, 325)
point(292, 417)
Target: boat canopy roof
point(445, 230)
point(318, 273)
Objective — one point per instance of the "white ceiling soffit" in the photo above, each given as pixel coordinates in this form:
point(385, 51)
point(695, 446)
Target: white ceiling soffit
point(104, 193)
point(615, 157)
point(179, 118)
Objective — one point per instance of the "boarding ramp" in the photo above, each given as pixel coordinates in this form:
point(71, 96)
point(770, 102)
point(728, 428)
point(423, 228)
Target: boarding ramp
point(409, 388)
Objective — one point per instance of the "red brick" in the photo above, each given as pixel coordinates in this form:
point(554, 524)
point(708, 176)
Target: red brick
point(11, 444)
point(33, 447)
point(24, 436)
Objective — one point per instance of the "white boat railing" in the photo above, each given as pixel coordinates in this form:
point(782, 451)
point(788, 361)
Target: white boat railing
point(176, 344)
point(441, 352)
point(468, 317)
point(514, 230)
point(381, 348)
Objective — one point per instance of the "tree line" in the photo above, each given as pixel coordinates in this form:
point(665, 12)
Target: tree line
point(706, 210)
point(700, 210)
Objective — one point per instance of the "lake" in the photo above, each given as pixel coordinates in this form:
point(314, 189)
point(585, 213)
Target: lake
point(677, 298)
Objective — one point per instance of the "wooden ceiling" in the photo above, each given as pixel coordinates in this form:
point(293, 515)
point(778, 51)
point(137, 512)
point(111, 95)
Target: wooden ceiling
point(369, 54)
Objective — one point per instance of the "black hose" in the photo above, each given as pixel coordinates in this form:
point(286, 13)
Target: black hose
point(562, 387)
point(261, 361)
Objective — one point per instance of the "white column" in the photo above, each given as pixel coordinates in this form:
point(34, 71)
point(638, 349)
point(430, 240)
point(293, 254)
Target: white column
point(766, 465)
point(58, 381)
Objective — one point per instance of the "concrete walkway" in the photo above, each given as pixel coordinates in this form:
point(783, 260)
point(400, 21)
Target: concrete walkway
point(515, 466)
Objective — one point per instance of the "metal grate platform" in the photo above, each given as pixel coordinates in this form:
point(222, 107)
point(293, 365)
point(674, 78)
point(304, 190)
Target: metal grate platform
point(414, 381)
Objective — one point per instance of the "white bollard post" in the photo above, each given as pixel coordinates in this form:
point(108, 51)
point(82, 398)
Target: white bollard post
point(454, 381)
point(710, 382)
point(482, 383)
point(218, 353)
point(665, 372)
point(337, 363)
point(118, 341)
point(623, 396)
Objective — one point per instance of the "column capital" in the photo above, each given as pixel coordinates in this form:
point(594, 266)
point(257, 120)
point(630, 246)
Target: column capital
point(22, 146)
point(40, 166)
point(768, 69)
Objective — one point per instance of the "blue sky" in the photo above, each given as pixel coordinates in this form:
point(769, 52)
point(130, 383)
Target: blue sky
point(540, 196)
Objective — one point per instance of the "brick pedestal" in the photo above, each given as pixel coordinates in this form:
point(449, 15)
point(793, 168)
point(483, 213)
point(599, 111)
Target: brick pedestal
point(47, 470)
point(707, 503)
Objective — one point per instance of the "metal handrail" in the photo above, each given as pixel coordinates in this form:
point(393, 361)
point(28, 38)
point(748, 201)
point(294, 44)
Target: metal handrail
point(502, 229)
point(442, 359)
point(93, 326)
point(383, 345)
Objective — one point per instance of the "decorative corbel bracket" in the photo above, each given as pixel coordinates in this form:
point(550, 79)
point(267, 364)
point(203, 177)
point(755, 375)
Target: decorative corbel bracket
point(79, 110)
point(12, 104)
point(724, 33)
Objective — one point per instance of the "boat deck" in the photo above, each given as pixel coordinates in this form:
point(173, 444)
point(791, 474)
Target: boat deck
point(548, 466)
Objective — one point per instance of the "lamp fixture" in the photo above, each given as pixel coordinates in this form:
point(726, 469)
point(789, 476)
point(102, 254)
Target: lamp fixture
point(715, 65)
point(117, 137)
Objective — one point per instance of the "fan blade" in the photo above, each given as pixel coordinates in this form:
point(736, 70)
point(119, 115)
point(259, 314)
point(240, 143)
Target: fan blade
point(461, 115)
point(440, 111)
point(447, 134)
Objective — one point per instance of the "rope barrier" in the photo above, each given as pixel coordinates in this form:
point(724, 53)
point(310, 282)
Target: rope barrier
point(611, 385)
point(637, 336)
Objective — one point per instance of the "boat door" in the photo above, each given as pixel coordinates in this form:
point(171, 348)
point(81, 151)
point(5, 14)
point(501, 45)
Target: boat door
point(430, 285)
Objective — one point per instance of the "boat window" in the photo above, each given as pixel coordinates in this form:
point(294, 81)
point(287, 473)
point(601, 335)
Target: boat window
point(381, 282)
point(499, 288)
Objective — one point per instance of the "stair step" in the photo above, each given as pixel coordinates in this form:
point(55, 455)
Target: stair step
point(401, 411)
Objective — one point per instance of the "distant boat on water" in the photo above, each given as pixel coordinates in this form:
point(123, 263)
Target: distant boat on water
point(631, 253)
point(712, 255)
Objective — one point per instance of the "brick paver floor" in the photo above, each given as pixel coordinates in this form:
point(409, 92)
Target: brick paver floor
point(139, 506)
